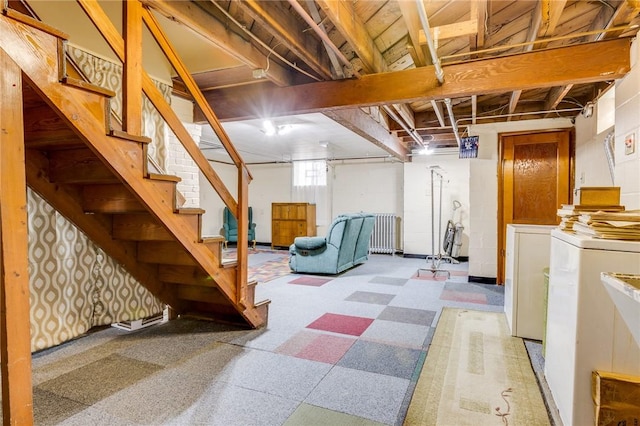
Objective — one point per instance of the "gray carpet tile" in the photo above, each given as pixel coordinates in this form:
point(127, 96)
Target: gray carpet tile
point(382, 359)
point(280, 375)
point(94, 417)
point(370, 297)
point(51, 365)
point(396, 333)
point(407, 315)
point(50, 408)
point(224, 404)
point(91, 383)
point(373, 396)
point(310, 415)
point(389, 280)
point(160, 397)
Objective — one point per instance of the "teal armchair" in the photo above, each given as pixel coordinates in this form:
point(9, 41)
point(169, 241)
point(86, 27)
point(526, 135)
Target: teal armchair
point(230, 227)
point(346, 245)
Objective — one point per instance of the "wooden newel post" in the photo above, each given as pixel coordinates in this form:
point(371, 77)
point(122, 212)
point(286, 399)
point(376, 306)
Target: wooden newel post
point(15, 328)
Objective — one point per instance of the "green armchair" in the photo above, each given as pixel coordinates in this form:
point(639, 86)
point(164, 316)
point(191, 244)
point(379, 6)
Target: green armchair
point(230, 227)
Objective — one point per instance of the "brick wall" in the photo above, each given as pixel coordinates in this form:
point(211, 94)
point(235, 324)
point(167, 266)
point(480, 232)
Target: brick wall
point(180, 164)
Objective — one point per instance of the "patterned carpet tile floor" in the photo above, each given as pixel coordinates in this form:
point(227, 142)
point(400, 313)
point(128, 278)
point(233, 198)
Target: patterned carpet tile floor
point(336, 348)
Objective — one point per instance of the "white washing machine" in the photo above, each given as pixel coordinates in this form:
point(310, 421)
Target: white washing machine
point(584, 330)
point(527, 254)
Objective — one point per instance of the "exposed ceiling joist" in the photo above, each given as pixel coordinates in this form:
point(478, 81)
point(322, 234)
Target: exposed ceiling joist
point(587, 63)
point(409, 12)
point(210, 28)
point(362, 124)
point(288, 31)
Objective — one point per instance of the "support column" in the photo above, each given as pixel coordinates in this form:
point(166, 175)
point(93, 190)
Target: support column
point(15, 332)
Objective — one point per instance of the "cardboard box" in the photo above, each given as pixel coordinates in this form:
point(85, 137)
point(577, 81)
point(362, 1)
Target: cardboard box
point(598, 196)
point(616, 398)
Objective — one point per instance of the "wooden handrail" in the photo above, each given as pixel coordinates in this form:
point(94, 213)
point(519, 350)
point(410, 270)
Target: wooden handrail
point(113, 38)
point(191, 85)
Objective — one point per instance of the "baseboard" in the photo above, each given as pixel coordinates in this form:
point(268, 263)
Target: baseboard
point(482, 280)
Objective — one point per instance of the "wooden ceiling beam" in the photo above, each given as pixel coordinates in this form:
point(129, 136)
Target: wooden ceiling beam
point(290, 32)
point(550, 12)
point(555, 96)
point(363, 125)
point(586, 63)
point(479, 10)
point(409, 11)
point(347, 22)
point(343, 17)
point(192, 16)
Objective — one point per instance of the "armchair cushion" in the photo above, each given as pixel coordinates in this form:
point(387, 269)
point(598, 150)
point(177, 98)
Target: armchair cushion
point(309, 243)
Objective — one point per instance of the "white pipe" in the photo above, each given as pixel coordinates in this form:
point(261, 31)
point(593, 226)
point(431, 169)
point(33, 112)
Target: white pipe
point(427, 33)
point(416, 137)
point(436, 63)
point(454, 125)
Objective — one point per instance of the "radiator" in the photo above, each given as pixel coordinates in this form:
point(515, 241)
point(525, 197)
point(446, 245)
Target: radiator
point(383, 237)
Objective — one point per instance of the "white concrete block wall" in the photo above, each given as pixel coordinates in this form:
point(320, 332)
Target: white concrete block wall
point(374, 186)
point(627, 170)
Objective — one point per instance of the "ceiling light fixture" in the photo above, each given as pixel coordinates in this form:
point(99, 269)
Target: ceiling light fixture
point(271, 129)
point(323, 144)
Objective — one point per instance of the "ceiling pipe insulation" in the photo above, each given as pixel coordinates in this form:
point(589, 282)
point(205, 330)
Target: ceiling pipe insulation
point(436, 63)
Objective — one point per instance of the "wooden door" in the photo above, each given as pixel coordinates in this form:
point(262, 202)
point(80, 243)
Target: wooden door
point(534, 180)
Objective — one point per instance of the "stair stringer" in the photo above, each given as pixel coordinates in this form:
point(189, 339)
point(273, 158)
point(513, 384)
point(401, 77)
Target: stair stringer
point(35, 52)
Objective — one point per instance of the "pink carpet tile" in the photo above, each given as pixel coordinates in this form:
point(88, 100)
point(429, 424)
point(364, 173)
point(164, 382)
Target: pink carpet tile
point(316, 347)
point(311, 281)
point(343, 324)
point(462, 296)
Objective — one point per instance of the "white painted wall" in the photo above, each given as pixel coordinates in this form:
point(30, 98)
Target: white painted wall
point(417, 202)
point(627, 170)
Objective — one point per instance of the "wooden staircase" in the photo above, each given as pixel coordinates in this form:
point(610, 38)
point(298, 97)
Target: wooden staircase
point(96, 175)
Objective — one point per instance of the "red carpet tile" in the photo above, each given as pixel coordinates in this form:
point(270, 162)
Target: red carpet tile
point(344, 324)
point(459, 296)
point(312, 281)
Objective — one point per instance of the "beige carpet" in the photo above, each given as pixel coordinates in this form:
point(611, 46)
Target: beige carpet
point(476, 374)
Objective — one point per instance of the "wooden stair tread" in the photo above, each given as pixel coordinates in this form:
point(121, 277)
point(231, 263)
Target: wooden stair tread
point(190, 210)
point(166, 178)
point(121, 134)
point(212, 239)
point(84, 85)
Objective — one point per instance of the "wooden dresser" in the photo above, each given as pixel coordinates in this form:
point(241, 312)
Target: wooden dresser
point(290, 220)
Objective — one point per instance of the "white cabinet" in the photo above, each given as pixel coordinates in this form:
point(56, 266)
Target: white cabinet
point(585, 332)
point(527, 254)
